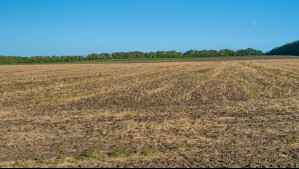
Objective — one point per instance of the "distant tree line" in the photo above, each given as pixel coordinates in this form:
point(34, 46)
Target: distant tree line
point(288, 49)
point(129, 55)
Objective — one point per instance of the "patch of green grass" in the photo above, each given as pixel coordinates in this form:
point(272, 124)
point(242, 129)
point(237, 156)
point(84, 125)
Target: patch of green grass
point(147, 152)
point(61, 146)
point(180, 145)
point(91, 153)
point(292, 140)
point(249, 93)
point(177, 97)
point(280, 93)
point(98, 146)
point(62, 159)
point(190, 149)
point(297, 165)
point(106, 132)
point(241, 81)
point(88, 155)
point(183, 147)
point(126, 152)
point(77, 147)
point(56, 98)
point(16, 164)
point(115, 154)
point(27, 164)
point(40, 160)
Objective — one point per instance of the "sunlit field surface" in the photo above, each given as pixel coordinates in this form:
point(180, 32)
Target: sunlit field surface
point(239, 113)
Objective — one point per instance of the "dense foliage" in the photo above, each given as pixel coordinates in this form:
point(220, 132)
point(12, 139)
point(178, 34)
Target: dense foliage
point(129, 55)
point(288, 49)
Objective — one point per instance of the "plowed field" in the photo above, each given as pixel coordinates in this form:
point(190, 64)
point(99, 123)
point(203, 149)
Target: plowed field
point(179, 114)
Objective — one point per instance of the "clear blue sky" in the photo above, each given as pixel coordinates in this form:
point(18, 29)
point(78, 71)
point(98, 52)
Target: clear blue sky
point(62, 27)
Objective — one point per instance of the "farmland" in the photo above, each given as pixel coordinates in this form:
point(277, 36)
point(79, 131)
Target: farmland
point(237, 113)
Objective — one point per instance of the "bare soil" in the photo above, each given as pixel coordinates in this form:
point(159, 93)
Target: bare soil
point(240, 113)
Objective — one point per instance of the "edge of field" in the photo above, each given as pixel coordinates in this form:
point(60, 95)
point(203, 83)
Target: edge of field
point(156, 60)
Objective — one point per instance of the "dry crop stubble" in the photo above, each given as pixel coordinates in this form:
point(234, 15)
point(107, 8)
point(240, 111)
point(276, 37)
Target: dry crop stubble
point(178, 114)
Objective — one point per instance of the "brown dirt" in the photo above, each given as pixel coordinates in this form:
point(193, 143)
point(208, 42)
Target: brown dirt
point(180, 114)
